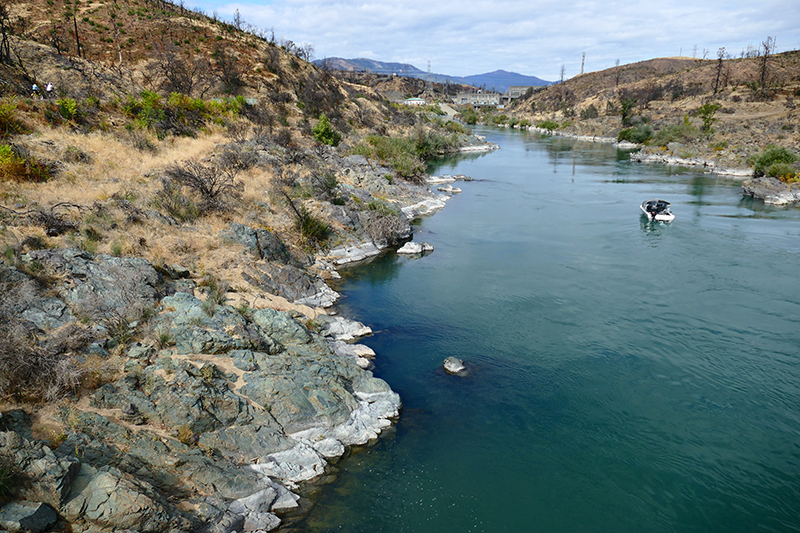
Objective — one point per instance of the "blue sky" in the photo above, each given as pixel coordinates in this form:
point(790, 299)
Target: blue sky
point(535, 38)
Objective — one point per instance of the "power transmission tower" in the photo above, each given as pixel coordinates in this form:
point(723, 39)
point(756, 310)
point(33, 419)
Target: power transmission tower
point(583, 60)
point(428, 77)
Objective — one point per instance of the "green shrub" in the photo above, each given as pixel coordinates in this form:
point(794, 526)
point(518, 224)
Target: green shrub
point(312, 229)
point(324, 132)
point(773, 155)
point(627, 103)
point(68, 108)
point(706, 113)
point(9, 124)
point(15, 168)
point(548, 125)
point(638, 135)
point(589, 113)
point(469, 116)
point(784, 172)
point(455, 127)
point(400, 153)
point(679, 133)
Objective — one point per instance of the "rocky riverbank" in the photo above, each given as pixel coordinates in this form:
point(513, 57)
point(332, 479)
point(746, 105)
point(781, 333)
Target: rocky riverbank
point(214, 404)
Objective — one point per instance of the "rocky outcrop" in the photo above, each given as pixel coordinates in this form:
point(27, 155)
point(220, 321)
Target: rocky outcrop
point(218, 419)
point(772, 190)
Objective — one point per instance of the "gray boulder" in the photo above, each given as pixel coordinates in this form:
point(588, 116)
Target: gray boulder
point(341, 329)
point(27, 516)
point(260, 242)
point(290, 282)
point(48, 477)
point(103, 286)
point(106, 498)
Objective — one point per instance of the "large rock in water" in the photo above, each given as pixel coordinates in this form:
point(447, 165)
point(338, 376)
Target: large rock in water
point(454, 365)
point(772, 190)
point(415, 248)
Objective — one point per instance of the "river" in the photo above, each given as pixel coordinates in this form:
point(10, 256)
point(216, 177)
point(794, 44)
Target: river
point(624, 375)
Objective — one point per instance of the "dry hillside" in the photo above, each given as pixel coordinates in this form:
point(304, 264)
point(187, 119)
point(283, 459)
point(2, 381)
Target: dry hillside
point(667, 92)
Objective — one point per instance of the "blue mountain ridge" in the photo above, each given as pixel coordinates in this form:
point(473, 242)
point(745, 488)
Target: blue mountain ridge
point(499, 80)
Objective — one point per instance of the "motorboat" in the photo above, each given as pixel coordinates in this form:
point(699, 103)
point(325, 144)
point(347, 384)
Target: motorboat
point(657, 210)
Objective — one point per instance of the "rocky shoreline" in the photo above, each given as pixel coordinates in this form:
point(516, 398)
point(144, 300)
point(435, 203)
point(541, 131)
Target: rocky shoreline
point(214, 426)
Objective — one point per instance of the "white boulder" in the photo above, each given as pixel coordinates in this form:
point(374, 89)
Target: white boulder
point(415, 248)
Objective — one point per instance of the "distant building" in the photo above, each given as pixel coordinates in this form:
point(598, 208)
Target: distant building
point(480, 99)
point(477, 99)
point(414, 101)
point(514, 92)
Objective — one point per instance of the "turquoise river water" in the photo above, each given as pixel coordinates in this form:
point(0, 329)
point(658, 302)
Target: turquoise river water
point(625, 376)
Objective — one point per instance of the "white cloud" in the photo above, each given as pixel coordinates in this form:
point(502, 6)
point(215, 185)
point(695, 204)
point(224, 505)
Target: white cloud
point(533, 38)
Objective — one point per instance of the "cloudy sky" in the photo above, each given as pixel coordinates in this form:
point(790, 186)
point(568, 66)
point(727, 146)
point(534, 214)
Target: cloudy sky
point(535, 38)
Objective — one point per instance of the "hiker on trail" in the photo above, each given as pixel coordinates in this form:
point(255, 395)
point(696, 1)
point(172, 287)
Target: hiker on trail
point(35, 91)
point(49, 90)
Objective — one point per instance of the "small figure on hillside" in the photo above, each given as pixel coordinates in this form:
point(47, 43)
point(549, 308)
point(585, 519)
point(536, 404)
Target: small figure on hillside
point(35, 91)
point(49, 90)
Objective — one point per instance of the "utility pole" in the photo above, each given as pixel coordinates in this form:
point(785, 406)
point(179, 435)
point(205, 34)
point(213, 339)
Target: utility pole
point(583, 60)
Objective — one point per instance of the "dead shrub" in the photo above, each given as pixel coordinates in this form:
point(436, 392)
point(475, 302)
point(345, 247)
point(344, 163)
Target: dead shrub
point(215, 183)
point(34, 369)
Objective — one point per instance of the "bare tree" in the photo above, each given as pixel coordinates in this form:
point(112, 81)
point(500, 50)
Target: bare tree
point(767, 48)
point(58, 38)
point(214, 183)
point(228, 71)
point(5, 30)
point(720, 57)
point(180, 73)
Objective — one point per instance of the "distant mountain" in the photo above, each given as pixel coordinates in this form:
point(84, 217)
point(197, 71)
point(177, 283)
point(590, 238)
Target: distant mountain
point(499, 80)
